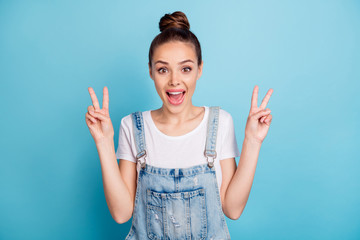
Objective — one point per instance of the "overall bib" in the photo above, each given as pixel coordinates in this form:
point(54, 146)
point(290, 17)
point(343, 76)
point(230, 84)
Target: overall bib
point(177, 203)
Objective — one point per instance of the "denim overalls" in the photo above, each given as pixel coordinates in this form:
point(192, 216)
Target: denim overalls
point(177, 203)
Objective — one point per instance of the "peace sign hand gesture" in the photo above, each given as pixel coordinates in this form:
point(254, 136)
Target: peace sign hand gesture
point(98, 120)
point(259, 119)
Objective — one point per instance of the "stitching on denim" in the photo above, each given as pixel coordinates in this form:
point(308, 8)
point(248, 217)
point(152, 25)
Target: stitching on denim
point(139, 135)
point(186, 175)
point(211, 132)
point(149, 207)
point(203, 168)
point(204, 218)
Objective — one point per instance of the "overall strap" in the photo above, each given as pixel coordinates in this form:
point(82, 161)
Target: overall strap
point(139, 135)
point(211, 135)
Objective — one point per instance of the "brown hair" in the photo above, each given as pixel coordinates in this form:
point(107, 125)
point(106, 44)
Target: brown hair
point(175, 27)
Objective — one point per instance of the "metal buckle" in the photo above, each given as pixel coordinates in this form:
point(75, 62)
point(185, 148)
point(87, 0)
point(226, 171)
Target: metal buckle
point(139, 155)
point(210, 164)
point(210, 155)
point(143, 165)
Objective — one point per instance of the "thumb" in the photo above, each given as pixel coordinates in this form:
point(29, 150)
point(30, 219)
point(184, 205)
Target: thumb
point(261, 113)
point(99, 115)
point(91, 108)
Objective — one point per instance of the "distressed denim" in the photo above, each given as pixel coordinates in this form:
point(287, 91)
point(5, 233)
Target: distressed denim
point(178, 203)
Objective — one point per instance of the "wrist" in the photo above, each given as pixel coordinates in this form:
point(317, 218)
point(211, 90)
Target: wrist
point(104, 141)
point(252, 141)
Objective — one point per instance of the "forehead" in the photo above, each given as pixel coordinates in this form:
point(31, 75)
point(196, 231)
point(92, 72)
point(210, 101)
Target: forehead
point(174, 51)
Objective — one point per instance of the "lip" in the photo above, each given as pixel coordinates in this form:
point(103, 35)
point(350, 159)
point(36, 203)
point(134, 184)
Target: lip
point(175, 102)
point(175, 90)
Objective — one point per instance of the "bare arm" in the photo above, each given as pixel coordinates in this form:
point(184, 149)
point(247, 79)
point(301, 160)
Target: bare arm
point(237, 193)
point(119, 182)
point(237, 190)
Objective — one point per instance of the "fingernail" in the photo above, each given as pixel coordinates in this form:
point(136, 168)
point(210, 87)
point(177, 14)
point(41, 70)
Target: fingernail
point(91, 112)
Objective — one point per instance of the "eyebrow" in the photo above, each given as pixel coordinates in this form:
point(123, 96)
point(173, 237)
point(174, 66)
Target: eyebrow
point(187, 60)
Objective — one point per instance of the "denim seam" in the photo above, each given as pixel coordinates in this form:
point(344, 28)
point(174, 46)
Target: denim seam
point(165, 233)
point(204, 217)
point(188, 219)
point(211, 132)
point(139, 133)
point(187, 175)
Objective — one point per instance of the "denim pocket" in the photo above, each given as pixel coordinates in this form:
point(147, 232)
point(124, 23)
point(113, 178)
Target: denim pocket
point(176, 215)
point(154, 215)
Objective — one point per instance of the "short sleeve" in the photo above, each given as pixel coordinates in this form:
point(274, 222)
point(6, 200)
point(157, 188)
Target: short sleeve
point(125, 146)
point(229, 147)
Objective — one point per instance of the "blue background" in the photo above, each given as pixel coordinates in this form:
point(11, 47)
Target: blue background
point(307, 182)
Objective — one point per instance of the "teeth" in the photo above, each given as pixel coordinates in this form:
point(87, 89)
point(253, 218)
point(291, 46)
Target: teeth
point(174, 93)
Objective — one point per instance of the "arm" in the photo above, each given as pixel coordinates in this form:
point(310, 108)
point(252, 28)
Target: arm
point(239, 182)
point(119, 182)
point(118, 187)
point(236, 192)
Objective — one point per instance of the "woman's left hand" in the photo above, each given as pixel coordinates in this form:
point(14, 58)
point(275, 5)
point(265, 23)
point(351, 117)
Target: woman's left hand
point(259, 119)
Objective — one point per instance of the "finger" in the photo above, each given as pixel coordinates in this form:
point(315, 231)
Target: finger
point(98, 115)
point(268, 119)
point(266, 99)
point(106, 99)
point(94, 98)
point(91, 118)
point(261, 113)
point(254, 97)
point(88, 122)
point(91, 108)
point(262, 119)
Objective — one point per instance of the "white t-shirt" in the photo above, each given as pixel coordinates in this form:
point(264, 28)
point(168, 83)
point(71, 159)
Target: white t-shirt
point(179, 151)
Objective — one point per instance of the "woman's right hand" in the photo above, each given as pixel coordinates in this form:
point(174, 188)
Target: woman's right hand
point(98, 120)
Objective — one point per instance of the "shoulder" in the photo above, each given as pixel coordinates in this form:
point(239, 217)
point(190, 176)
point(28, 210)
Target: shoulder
point(225, 119)
point(224, 116)
point(126, 121)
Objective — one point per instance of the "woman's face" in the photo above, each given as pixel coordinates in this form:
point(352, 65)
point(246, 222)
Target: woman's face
point(175, 72)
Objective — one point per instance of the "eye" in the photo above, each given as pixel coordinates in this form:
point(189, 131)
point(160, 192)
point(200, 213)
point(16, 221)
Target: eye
point(187, 69)
point(160, 70)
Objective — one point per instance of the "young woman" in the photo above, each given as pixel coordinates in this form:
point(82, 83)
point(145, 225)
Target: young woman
point(177, 174)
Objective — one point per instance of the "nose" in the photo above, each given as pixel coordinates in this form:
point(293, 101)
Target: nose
point(174, 80)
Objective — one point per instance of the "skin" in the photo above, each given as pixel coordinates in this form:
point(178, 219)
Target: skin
point(173, 73)
point(176, 120)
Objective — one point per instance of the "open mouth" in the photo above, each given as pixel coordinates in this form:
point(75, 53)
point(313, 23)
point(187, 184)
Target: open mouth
point(176, 97)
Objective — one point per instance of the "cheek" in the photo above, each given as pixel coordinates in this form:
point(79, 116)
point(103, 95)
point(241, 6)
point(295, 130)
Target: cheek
point(159, 87)
point(158, 82)
point(191, 81)
point(191, 87)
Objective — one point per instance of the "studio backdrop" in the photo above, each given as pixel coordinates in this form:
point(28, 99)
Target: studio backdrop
point(307, 179)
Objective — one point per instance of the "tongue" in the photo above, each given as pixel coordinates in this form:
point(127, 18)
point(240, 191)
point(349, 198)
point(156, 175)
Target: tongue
point(176, 97)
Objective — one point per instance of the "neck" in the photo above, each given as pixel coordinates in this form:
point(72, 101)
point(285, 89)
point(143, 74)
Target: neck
point(177, 117)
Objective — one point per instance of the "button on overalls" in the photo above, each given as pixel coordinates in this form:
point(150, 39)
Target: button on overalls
point(177, 203)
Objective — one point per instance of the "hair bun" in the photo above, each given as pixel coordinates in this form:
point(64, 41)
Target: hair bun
point(175, 20)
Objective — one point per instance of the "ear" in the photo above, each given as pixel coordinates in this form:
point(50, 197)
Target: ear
point(150, 72)
point(200, 69)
